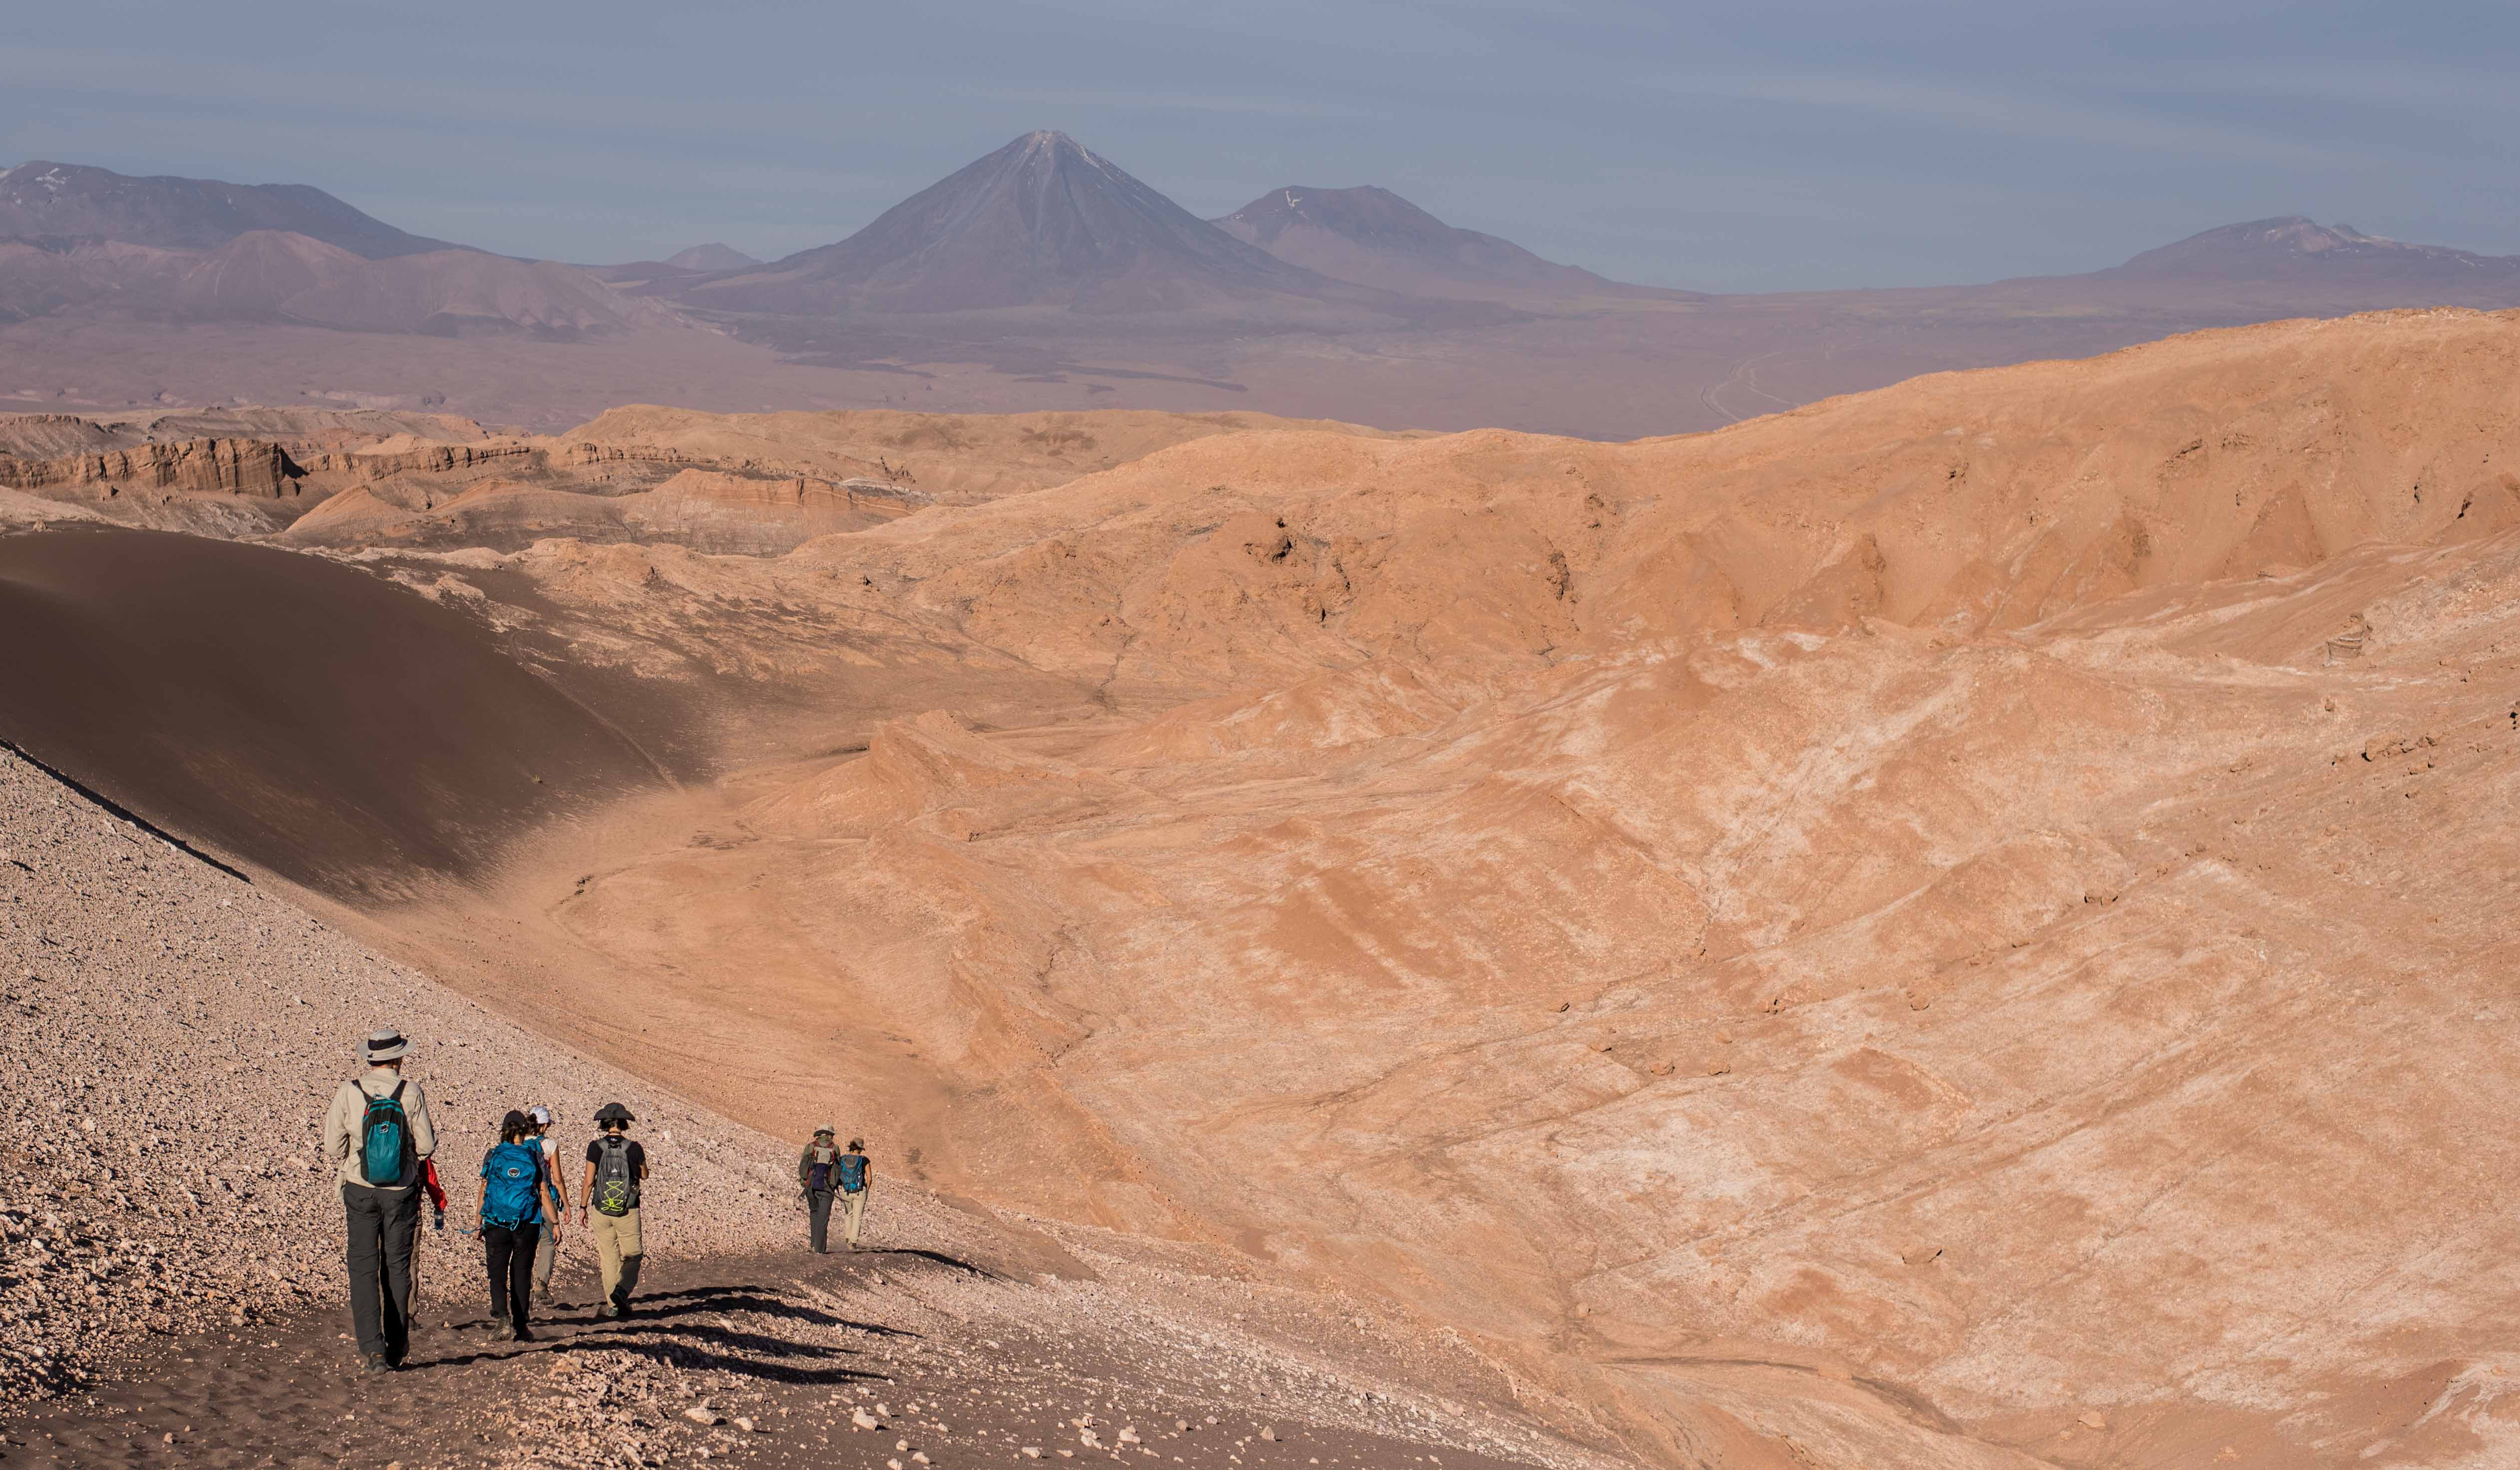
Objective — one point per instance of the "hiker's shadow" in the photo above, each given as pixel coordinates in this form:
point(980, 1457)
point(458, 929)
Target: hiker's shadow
point(768, 1303)
point(676, 1352)
point(673, 1329)
point(938, 1257)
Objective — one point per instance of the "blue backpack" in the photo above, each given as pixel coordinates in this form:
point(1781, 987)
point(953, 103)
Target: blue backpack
point(515, 1172)
point(852, 1173)
point(383, 1133)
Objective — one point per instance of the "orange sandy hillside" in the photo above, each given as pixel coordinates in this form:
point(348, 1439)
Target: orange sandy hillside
point(1888, 893)
point(1952, 927)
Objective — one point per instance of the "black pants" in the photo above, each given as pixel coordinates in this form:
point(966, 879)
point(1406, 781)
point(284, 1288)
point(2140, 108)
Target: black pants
point(818, 1204)
point(382, 1226)
point(511, 1249)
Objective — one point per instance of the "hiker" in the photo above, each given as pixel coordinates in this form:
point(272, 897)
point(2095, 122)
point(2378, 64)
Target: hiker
point(378, 1137)
point(548, 1255)
point(615, 1167)
point(515, 1186)
point(818, 1171)
point(855, 1173)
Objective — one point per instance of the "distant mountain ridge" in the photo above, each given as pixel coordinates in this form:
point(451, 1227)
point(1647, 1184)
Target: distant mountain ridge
point(2294, 247)
point(712, 256)
point(1371, 236)
point(1043, 275)
point(1041, 222)
point(47, 201)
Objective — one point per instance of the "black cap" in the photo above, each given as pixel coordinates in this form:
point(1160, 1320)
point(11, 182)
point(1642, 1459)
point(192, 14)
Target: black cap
point(613, 1112)
point(514, 1120)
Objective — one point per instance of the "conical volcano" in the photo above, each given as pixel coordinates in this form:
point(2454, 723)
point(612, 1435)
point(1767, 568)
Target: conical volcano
point(1042, 222)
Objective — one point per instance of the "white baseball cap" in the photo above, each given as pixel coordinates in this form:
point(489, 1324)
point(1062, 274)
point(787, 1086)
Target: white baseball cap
point(541, 1115)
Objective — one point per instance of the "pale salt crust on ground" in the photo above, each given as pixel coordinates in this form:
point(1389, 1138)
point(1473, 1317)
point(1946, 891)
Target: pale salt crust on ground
point(171, 1035)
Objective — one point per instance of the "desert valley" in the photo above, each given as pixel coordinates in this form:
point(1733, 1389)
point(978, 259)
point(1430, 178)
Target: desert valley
point(1408, 853)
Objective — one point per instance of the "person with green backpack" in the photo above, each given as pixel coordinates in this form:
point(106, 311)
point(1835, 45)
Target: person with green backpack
point(818, 1171)
point(514, 1188)
point(377, 1138)
point(616, 1169)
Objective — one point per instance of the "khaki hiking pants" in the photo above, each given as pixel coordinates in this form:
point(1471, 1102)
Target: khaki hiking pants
point(855, 1206)
point(546, 1256)
point(616, 1243)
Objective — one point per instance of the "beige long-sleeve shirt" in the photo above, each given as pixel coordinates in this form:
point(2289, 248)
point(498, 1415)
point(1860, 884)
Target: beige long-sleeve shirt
point(349, 1110)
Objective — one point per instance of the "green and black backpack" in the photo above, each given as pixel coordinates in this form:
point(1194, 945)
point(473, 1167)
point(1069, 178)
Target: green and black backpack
point(616, 1184)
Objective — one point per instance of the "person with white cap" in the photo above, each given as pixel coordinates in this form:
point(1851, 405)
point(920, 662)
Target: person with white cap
point(547, 1255)
point(377, 1138)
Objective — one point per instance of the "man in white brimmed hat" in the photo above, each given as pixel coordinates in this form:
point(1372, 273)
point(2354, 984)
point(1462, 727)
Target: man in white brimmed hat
point(378, 1135)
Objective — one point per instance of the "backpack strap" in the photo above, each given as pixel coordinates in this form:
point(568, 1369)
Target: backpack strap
point(396, 1096)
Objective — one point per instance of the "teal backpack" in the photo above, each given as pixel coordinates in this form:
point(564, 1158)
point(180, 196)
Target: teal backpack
point(514, 1175)
point(383, 1133)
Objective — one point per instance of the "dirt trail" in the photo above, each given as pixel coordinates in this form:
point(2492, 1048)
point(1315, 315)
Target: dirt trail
point(758, 1362)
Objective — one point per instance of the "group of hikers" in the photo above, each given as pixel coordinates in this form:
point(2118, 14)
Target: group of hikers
point(382, 1146)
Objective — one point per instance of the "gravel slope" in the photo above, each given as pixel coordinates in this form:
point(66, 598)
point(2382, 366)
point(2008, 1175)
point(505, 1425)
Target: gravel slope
point(169, 1037)
point(170, 1270)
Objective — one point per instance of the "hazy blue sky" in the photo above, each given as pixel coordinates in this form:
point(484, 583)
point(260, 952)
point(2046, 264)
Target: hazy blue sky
point(1773, 145)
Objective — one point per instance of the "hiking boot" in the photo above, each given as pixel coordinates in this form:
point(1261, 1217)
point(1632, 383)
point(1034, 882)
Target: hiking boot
point(506, 1333)
point(373, 1362)
point(523, 1334)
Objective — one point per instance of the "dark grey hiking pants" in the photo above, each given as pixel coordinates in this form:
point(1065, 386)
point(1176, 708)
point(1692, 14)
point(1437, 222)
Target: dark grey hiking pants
point(382, 1225)
point(818, 1204)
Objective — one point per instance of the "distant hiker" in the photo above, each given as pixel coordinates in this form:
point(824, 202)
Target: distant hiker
point(516, 1187)
point(855, 1174)
point(615, 1167)
point(548, 1254)
point(378, 1137)
point(818, 1174)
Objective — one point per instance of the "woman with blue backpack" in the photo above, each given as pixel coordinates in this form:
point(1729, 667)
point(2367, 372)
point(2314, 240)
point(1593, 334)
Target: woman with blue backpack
point(516, 1186)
